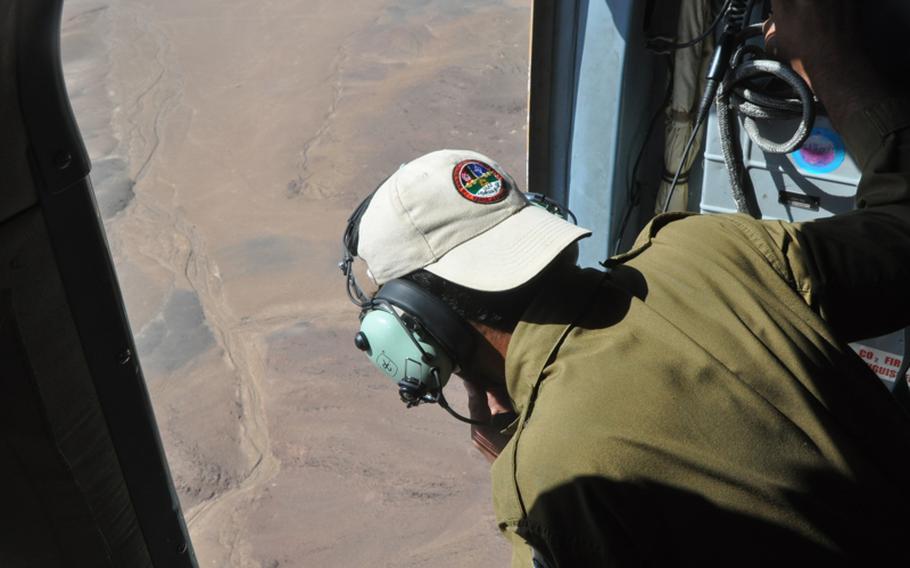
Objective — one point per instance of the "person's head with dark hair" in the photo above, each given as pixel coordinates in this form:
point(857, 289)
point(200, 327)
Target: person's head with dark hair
point(494, 316)
point(455, 224)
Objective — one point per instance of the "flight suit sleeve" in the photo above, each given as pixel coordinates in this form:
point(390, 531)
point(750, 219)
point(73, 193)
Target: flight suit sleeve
point(854, 268)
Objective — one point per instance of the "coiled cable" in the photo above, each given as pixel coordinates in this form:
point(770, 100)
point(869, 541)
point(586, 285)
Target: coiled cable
point(731, 83)
point(738, 94)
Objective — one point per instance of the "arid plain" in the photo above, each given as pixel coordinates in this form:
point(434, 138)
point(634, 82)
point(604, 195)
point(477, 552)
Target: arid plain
point(230, 139)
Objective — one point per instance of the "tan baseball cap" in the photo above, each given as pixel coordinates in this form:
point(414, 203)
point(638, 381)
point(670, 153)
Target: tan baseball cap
point(459, 215)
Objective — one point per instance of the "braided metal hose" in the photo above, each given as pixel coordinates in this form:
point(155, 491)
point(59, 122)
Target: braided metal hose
point(737, 95)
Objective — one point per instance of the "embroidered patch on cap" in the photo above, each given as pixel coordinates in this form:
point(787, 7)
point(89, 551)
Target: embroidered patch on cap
point(479, 182)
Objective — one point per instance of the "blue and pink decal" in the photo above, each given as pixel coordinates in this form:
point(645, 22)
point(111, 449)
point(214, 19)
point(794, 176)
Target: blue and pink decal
point(822, 153)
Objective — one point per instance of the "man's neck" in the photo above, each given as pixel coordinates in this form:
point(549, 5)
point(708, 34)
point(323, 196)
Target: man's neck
point(498, 339)
point(490, 357)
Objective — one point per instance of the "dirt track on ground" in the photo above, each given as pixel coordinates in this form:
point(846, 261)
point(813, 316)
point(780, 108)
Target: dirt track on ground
point(230, 140)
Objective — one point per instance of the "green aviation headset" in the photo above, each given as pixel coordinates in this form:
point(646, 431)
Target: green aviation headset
point(408, 333)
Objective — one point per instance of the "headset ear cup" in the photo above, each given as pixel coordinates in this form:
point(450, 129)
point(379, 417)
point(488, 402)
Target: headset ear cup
point(455, 336)
point(405, 355)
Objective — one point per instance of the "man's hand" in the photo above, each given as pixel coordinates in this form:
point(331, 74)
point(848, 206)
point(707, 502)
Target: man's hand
point(483, 405)
point(812, 31)
point(821, 40)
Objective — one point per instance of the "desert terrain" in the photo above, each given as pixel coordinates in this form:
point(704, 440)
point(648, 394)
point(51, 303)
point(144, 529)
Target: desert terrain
point(230, 140)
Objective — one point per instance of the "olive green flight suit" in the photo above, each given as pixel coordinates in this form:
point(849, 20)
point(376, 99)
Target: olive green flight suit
point(699, 404)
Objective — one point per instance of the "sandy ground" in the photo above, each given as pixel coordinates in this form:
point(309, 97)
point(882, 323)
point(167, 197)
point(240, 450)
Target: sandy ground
point(230, 140)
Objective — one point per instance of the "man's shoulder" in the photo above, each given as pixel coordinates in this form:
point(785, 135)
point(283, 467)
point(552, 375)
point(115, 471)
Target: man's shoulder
point(712, 244)
point(694, 224)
